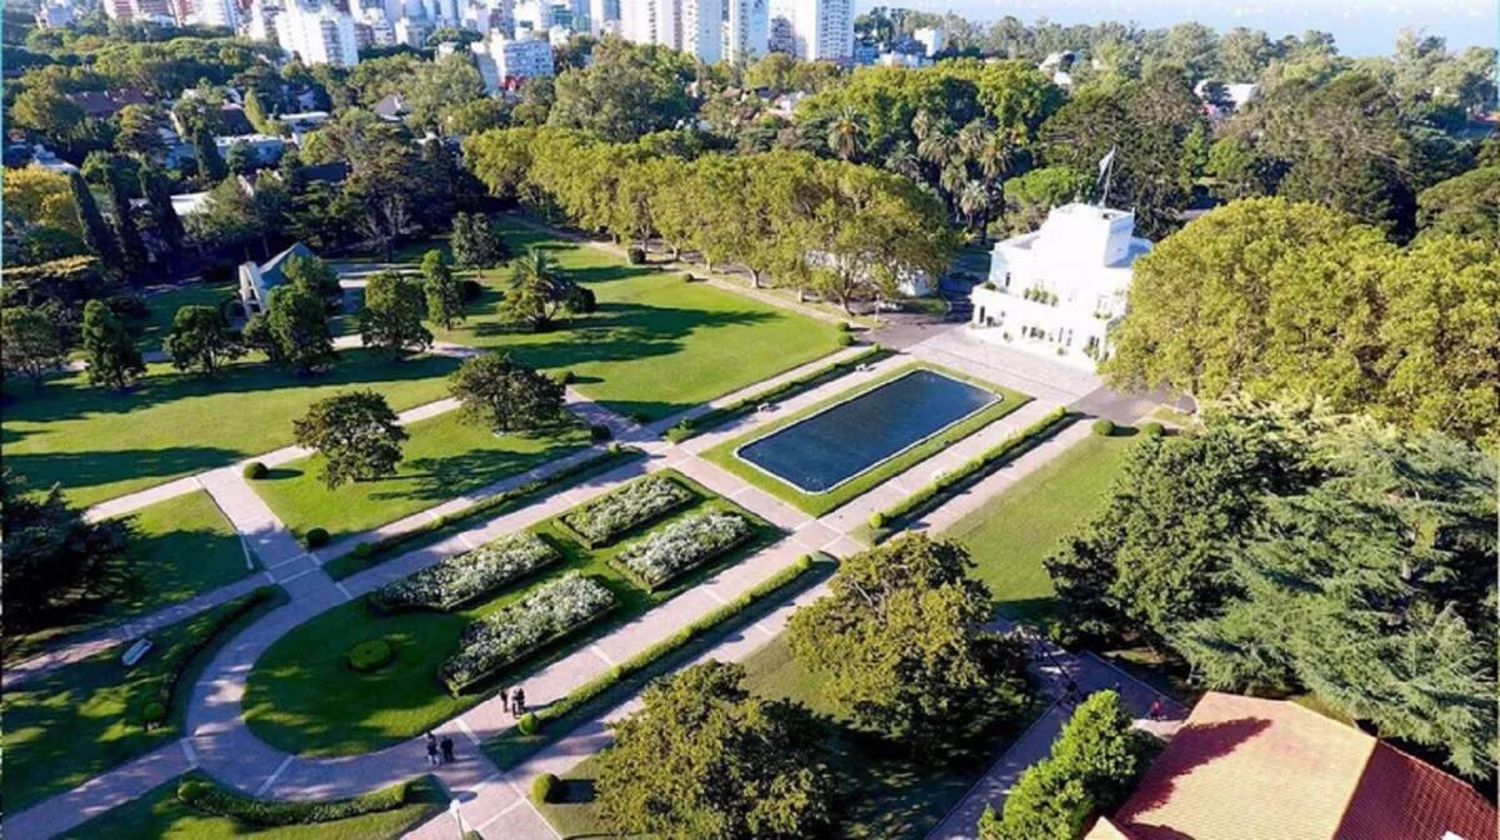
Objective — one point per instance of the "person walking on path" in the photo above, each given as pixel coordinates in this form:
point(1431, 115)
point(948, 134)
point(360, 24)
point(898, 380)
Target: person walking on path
point(504, 699)
point(518, 702)
point(447, 748)
point(1155, 713)
point(432, 749)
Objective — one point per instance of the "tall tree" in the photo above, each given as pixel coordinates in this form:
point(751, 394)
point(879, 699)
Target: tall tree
point(31, 343)
point(201, 338)
point(445, 296)
point(476, 243)
point(506, 396)
point(96, 234)
point(392, 317)
point(357, 435)
point(296, 326)
point(901, 636)
point(211, 168)
point(704, 758)
point(540, 293)
point(165, 221)
point(114, 170)
point(109, 350)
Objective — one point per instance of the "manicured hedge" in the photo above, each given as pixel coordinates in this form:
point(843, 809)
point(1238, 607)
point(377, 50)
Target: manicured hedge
point(544, 787)
point(370, 655)
point(210, 798)
point(683, 546)
point(459, 580)
point(609, 517)
point(970, 469)
point(719, 416)
point(503, 637)
point(175, 661)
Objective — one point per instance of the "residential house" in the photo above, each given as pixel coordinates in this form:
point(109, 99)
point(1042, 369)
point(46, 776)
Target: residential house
point(1245, 768)
point(106, 104)
point(258, 281)
point(1058, 291)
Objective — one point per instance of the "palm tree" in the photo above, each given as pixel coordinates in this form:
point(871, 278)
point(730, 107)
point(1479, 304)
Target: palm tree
point(903, 160)
point(938, 145)
point(844, 133)
point(971, 138)
point(537, 289)
point(974, 200)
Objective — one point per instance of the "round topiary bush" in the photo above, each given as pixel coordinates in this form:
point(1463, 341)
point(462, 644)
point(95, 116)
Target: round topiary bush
point(528, 724)
point(153, 714)
point(635, 256)
point(845, 326)
point(845, 340)
point(565, 377)
point(255, 470)
point(371, 655)
point(317, 537)
point(1152, 429)
point(544, 788)
point(598, 433)
point(877, 520)
point(1103, 427)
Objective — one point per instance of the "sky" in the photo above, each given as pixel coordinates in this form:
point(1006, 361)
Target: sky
point(1360, 27)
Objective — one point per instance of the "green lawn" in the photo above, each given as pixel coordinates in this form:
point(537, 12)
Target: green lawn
point(98, 444)
point(160, 815)
point(1009, 537)
point(818, 504)
point(179, 548)
point(444, 458)
point(302, 698)
point(881, 793)
point(81, 720)
point(164, 306)
point(657, 345)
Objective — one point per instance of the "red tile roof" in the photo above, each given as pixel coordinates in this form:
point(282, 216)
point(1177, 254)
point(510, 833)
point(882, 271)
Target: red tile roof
point(1244, 768)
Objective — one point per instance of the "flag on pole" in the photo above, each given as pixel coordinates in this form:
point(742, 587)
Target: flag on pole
point(1106, 161)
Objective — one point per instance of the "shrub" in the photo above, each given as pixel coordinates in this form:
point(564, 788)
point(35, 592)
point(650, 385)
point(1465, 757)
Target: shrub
point(635, 255)
point(543, 788)
point(565, 377)
point(689, 278)
point(153, 714)
point(845, 340)
point(212, 799)
point(458, 580)
point(877, 520)
point(317, 537)
point(528, 724)
point(363, 551)
point(371, 655)
point(1104, 427)
point(1152, 429)
point(174, 663)
point(471, 290)
point(505, 636)
point(599, 433)
point(683, 546)
point(604, 520)
point(255, 471)
point(845, 326)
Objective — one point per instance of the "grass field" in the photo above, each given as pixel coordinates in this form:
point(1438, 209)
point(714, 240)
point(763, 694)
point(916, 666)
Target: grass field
point(164, 306)
point(84, 719)
point(98, 444)
point(657, 345)
point(160, 815)
point(180, 548)
point(818, 504)
point(302, 698)
point(1009, 537)
point(881, 792)
point(444, 458)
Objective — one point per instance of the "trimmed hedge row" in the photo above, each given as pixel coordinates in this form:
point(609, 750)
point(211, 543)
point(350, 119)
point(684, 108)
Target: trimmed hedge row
point(462, 578)
point(719, 416)
point(597, 686)
point(175, 662)
point(212, 799)
point(370, 550)
point(603, 520)
point(554, 610)
point(970, 469)
point(682, 546)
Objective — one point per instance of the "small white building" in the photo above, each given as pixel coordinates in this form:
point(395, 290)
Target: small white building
point(264, 149)
point(258, 281)
point(1059, 291)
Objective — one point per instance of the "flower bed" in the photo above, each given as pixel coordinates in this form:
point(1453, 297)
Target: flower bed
point(461, 579)
point(506, 636)
point(683, 546)
point(606, 519)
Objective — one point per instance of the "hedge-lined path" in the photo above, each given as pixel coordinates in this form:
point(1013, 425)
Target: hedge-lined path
point(125, 783)
point(81, 646)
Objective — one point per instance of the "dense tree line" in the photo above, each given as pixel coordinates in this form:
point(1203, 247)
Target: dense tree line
point(1284, 548)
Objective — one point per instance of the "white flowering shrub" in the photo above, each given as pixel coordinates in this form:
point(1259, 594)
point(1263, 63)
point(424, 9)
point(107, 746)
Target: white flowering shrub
point(499, 639)
point(463, 578)
point(683, 546)
point(605, 519)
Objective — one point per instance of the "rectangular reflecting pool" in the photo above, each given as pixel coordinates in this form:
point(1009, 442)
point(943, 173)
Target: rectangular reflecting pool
point(838, 443)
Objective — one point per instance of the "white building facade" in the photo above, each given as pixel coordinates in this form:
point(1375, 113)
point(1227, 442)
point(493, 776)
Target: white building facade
point(1059, 291)
point(695, 27)
point(318, 34)
point(747, 32)
point(503, 61)
point(821, 30)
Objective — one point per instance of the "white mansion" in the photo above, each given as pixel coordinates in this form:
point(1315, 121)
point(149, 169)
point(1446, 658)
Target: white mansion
point(1059, 290)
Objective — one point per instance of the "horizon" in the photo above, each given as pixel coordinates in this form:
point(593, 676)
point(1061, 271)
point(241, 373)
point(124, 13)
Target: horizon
point(1359, 29)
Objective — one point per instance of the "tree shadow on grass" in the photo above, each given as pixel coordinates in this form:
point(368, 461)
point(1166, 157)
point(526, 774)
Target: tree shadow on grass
point(85, 470)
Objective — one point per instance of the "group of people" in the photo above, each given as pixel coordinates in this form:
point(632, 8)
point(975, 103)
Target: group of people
point(441, 752)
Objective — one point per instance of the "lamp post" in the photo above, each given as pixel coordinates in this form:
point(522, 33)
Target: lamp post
point(458, 817)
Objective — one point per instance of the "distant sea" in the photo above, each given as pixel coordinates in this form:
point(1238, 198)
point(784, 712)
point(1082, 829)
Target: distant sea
point(1360, 27)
